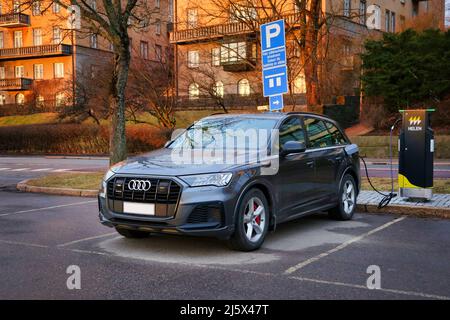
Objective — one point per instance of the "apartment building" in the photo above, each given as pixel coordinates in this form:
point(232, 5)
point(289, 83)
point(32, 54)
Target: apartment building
point(217, 52)
point(42, 61)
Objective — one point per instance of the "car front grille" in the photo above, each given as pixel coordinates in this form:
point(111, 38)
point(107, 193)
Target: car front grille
point(164, 193)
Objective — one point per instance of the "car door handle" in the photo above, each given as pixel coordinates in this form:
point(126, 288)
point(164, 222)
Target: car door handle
point(310, 164)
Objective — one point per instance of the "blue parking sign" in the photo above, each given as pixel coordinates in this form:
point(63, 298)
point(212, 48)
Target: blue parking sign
point(275, 81)
point(276, 102)
point(272, 35)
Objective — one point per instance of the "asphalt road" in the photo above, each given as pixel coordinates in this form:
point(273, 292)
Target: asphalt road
point(311, 258)
point(15, 169)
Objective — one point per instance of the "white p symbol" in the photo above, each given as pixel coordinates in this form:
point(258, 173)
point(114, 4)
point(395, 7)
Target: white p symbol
point(272, 31)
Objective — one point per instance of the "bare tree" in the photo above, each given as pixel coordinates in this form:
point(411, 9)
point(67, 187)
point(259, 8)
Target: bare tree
point(151, 89)
point(111, 20)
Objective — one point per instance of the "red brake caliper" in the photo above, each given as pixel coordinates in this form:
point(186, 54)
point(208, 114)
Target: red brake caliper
point(258, 218)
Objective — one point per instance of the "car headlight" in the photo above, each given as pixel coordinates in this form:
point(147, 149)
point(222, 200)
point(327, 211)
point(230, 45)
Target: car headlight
point(213, 179)
point(102, 191)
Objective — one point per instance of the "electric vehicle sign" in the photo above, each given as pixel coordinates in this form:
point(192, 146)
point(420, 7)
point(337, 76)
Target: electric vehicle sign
point(414, 123)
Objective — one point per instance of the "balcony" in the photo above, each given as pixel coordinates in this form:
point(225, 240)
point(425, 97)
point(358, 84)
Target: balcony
point(227, 29)
point(15, 84)
point(14, 20)
point(36, 51)
point(238, 65)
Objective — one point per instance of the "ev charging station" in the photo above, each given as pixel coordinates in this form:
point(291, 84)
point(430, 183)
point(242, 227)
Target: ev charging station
point(416, 152)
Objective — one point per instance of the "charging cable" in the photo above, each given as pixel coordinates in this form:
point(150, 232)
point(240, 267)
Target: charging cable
point(387, 197)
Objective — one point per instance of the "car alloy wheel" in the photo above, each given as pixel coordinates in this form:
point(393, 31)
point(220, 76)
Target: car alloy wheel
point(254, 219)
point(348, 197)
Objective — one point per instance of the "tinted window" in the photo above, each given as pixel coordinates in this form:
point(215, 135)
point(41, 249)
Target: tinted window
point(336, 135)
point(291, 130)
point(318, 135)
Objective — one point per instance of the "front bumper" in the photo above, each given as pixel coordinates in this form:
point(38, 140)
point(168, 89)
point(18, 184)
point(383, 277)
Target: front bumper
point(189, 217)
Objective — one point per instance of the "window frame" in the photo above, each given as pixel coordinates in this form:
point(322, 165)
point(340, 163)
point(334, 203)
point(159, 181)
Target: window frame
point(324, 120)
point(300, 118)
point(34, 71)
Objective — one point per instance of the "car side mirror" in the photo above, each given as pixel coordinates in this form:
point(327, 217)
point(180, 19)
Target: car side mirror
point(292, 147)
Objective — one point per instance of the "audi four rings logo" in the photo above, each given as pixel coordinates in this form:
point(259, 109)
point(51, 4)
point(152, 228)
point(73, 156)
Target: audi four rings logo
point(139, 185)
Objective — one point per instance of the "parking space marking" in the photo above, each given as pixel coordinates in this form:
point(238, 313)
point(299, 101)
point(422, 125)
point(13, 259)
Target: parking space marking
point(341, 246)
point(24, 244)
point(49, 208)
point(3, 169)
point(86, 239)
point(358, 286)
point(43, 169)
point(21, 169)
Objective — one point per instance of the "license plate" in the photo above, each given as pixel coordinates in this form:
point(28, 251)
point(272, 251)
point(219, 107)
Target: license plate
point(147, 209)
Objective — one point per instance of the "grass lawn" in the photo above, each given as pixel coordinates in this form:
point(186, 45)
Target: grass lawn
point(85, 181)
point(91, 181)
point(37, 118)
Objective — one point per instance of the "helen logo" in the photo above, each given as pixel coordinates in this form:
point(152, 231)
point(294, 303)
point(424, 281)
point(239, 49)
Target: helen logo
point(414, 121)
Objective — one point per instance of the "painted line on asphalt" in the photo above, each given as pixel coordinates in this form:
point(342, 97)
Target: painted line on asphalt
point(259, 273)
point(61, 170)
point(3, 169)
point(21, 169)
point(340, 247)
point(358, 286)
point(24, 244)
point(86, 239)
point(43, 169)
point(48, 208)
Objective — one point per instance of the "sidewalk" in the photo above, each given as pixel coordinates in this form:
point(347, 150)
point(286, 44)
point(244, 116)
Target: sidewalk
point(438, 206)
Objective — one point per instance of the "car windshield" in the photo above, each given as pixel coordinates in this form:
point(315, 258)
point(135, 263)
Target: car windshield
point(227, 133)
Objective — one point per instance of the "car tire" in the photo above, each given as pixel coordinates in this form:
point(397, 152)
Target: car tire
point(252, 222)
point(347, 199)
point(132, 234)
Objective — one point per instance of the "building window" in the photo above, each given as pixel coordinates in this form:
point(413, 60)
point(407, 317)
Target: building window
point(157, 3)
point(362, 11)
point(170, 10)
point(37, 37)
point(242, 13)
point(194, 91)
point(36, 8)
point(59, 70)
point(193, 59)
point(56, 7)
point(158, 27)
point(402, 22)
point(144, 50)
point(60, 99)
point(40, 100)
point(347, 8)
point(20, 98)
point(56, 35)
point(300, 84)
point(192, 18)
point(215, 56)
point(233, 52)
point(2, 73)
point(158, 52)
point(19, 71)
point(2, 40)
point(2, 99)
point(16, 6)
point(392, 21)
point(387, 20)
point(218, 89)
point(93, 41)
point(38, 71)
point(243, 87)
point(18, 40)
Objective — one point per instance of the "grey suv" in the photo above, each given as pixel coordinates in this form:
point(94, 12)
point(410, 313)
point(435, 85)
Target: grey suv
point(303, 164)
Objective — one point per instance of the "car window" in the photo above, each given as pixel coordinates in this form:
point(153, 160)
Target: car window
point(336, 134)
point(291, 130)
point(318, 135)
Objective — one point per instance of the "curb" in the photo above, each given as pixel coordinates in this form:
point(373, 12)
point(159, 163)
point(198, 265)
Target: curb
point(421, 212)
point(24, 187)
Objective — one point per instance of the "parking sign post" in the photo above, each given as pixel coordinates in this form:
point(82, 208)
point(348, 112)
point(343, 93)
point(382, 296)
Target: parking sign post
point(273, 57)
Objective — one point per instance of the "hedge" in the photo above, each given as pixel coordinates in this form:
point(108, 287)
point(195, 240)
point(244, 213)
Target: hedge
point(76, 139)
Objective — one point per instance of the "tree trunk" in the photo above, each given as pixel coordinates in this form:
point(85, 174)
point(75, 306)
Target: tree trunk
point(312, 58)
point(118, 143)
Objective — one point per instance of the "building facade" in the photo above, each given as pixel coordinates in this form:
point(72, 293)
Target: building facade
point(217, 53)
point(43, 63)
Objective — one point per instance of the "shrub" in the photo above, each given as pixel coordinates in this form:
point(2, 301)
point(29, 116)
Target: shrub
point(76, 139)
